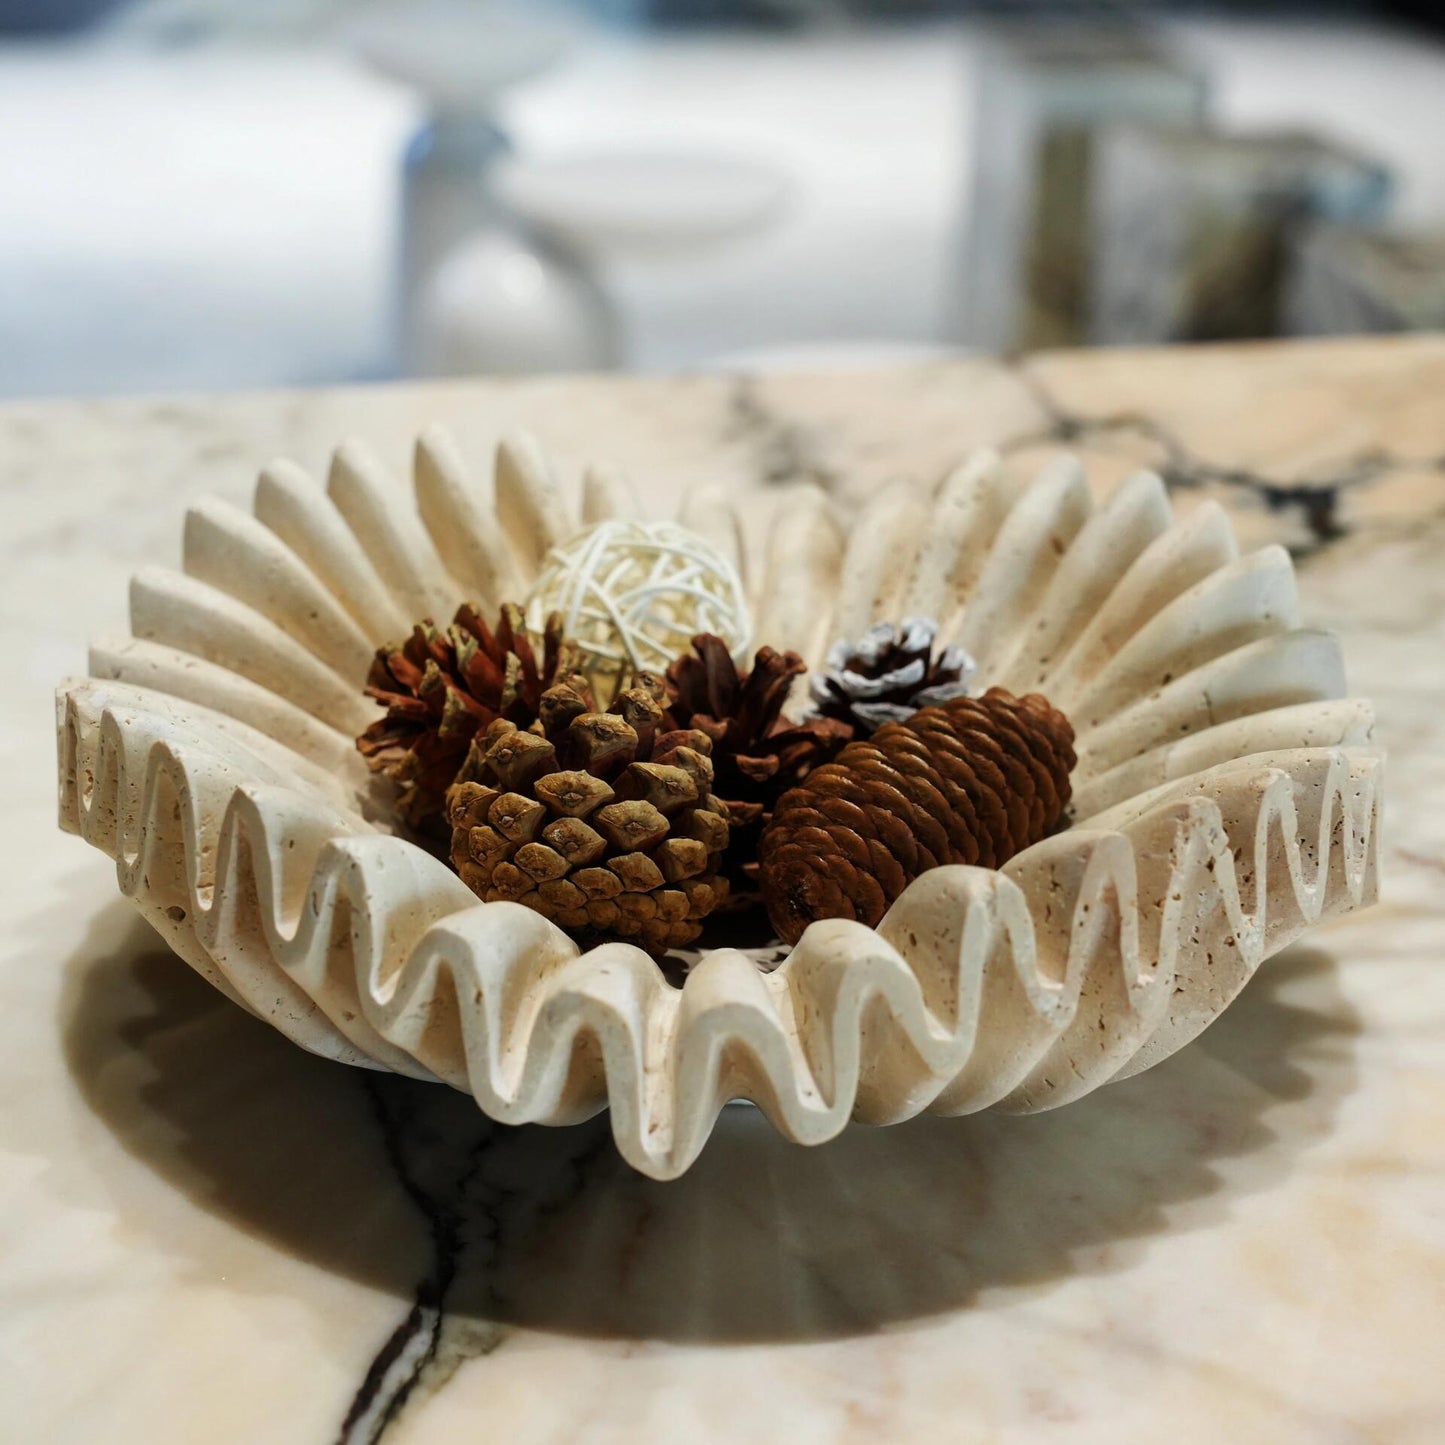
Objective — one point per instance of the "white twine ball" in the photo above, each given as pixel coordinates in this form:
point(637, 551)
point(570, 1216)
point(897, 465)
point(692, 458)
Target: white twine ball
point(634, 594)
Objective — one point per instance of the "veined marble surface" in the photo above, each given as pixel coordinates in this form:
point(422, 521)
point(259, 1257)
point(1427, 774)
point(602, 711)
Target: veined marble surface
point(206, 1234)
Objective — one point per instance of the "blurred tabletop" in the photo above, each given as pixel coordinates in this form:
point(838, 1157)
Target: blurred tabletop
point(207, 1234)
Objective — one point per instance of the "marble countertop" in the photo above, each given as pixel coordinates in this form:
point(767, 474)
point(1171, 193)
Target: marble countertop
point(206, 1234)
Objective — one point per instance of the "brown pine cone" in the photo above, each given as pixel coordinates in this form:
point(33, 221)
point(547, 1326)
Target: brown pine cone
point(974, 781)
point(602, 821)
point(888, 674)
point(757, 753)
point(441, 687)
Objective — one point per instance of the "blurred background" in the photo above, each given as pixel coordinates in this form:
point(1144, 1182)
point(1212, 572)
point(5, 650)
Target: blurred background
point(202, 194)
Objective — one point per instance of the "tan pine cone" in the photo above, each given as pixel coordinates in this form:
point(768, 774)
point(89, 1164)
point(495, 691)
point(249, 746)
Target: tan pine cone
point(598, 820)
point(973, 781)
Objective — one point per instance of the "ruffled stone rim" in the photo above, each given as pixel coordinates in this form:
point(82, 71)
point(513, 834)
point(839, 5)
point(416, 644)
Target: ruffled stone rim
point(1226, 797)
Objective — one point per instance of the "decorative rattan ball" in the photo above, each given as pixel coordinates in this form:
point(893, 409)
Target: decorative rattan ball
point(634, 594)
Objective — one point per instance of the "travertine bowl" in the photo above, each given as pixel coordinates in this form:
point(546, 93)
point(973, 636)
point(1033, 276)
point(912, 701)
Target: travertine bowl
point(1226, 797)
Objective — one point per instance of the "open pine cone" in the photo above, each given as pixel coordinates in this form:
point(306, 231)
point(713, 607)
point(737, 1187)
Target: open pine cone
point(888, 674)
point(441, 687)
point(974, 781)
point(757, 753)
point(601, 821)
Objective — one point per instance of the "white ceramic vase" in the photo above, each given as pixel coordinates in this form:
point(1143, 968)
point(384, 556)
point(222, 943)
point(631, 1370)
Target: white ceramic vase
point(1226, 797)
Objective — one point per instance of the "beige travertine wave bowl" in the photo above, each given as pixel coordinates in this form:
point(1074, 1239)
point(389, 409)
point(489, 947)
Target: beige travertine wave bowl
point(1226, 796)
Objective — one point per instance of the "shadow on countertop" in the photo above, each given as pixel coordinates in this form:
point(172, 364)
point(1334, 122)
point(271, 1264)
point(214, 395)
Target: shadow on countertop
point(366, 1174)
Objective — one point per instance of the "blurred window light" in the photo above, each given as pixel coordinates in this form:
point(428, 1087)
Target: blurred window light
point(226, 193)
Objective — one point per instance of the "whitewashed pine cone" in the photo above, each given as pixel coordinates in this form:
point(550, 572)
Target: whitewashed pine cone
point(1226, 797)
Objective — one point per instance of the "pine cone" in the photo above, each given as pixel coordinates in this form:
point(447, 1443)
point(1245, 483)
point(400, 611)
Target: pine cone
point(888, 674)
point(757, 753)
point(601, 821)
point(440, 688)
point(974, 781)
